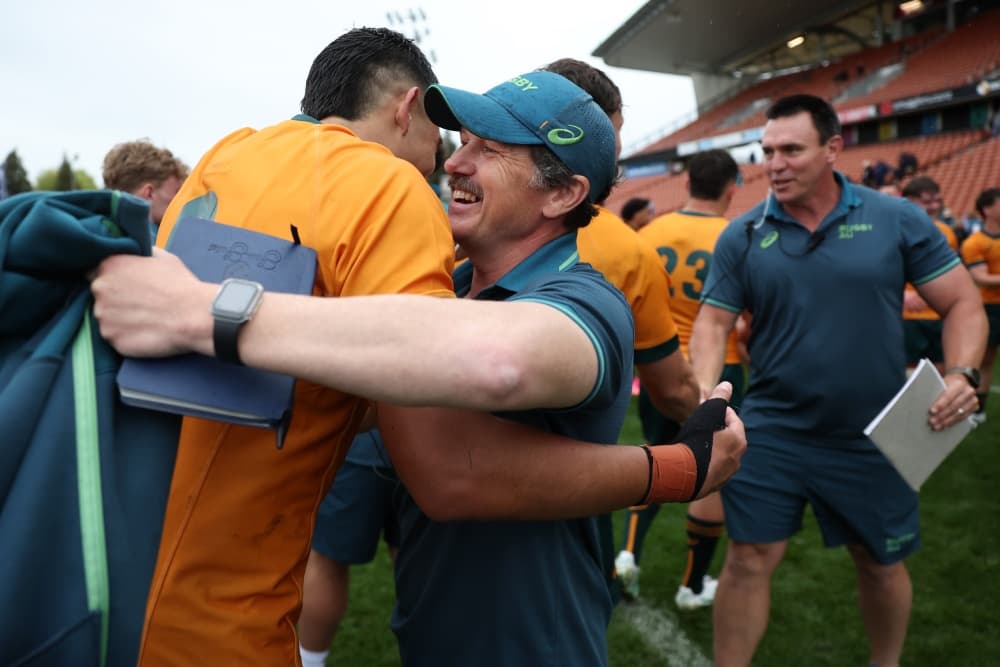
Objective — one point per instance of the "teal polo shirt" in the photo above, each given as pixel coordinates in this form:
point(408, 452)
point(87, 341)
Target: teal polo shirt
point(522, 593)
point(826, 345)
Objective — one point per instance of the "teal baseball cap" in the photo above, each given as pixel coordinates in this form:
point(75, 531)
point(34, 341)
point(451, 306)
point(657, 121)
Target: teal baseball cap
point(538, 108)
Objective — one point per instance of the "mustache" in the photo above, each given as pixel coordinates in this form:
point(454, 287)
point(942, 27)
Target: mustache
point(464, 184)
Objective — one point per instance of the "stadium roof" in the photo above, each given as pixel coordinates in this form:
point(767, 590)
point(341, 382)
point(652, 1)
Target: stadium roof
point(745, 37)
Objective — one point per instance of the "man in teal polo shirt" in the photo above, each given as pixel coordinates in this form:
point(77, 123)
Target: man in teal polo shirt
point(491, 593)
point(821, 265)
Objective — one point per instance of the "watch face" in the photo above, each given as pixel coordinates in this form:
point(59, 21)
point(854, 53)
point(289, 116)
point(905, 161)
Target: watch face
point(235, 299)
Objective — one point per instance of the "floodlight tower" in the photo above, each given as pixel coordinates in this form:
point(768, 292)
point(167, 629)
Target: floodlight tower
point(412, 22)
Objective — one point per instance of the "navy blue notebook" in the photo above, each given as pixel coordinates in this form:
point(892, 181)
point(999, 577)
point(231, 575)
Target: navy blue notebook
point(200, 386)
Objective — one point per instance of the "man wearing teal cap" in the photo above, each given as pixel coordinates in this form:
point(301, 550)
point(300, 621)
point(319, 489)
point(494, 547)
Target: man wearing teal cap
point(535, 153)
point(537, 109)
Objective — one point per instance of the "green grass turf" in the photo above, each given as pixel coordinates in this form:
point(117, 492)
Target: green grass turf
point(814, 617)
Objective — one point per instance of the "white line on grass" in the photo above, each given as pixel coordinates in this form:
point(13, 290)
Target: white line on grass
point(661, 633)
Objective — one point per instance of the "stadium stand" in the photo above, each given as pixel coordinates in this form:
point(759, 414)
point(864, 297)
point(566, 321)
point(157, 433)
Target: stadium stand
point(967, 173)
point(927, 89)
point(970, 52)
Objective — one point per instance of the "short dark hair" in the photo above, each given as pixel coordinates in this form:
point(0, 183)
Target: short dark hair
point(710, 172)
point(986, 198)
point(633, 206)
point(552, 173)
point(349, 77)
point(824, 118)
point(594, 81)
point(919, 185)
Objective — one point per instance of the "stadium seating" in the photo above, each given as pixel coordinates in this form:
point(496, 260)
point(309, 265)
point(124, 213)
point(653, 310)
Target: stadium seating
point(967, 173)
point(928, 151)
point(963, 162)
point(961, 57)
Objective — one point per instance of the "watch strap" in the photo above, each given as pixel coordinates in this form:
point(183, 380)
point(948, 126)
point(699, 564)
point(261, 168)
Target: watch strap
point(969, 373)
point(225, 336)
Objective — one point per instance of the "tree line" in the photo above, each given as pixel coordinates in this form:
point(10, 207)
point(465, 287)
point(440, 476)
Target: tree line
point(64, 177)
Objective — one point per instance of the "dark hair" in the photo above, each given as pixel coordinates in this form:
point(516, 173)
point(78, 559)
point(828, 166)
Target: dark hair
point(986, 198)
point(349, 77)
point(919, 185)
point(633, 206)
point(551, 173)
point(594, 81)
point(824, 118)
point(710, 172)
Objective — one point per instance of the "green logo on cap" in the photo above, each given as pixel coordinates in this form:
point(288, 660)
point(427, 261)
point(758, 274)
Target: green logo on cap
point(565, 136)
point(523, 83)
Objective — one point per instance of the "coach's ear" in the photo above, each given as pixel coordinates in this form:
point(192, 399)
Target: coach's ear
point(564, 199)
point(834, 146)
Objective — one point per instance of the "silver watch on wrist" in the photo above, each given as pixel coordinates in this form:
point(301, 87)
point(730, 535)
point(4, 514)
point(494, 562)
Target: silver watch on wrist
point(968, 372)
point(235, 303)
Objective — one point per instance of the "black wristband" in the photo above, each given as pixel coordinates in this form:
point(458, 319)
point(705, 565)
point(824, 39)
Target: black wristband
point(649, 482)
point(225, 337)
point(697, 434)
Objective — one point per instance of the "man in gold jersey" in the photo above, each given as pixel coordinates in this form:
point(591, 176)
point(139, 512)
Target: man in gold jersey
point(684, 241)
point(981, 253)
point(921, 324)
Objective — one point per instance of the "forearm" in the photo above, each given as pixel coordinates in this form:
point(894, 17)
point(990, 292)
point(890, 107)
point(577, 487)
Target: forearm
point(671, 386)
point(986, 279)
point(466, 465)
point(417, 350)
point(964, 326)
point(963, 334)
point(707, 349)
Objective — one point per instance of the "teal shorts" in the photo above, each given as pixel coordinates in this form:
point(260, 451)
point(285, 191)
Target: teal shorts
point(359, 508)
point(855, 494)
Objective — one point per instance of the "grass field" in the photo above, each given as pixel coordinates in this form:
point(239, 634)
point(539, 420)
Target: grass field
point(814, 618)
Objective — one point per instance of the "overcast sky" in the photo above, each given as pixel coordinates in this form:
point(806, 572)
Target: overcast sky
point(79, 77)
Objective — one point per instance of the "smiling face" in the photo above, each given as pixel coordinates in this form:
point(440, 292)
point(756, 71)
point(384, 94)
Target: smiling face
point(795, 159)
point(492, 196)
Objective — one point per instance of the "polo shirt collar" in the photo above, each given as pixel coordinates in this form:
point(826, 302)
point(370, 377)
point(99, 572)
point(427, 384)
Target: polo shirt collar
point(557, 255)
point(848, 201)
point(305, 118)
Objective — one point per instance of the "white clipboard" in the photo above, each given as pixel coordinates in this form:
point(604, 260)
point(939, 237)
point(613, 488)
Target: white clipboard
point(901, 431)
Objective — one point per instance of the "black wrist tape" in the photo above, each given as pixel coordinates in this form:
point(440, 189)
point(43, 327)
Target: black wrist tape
point(649, 481)
point(698, 431)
